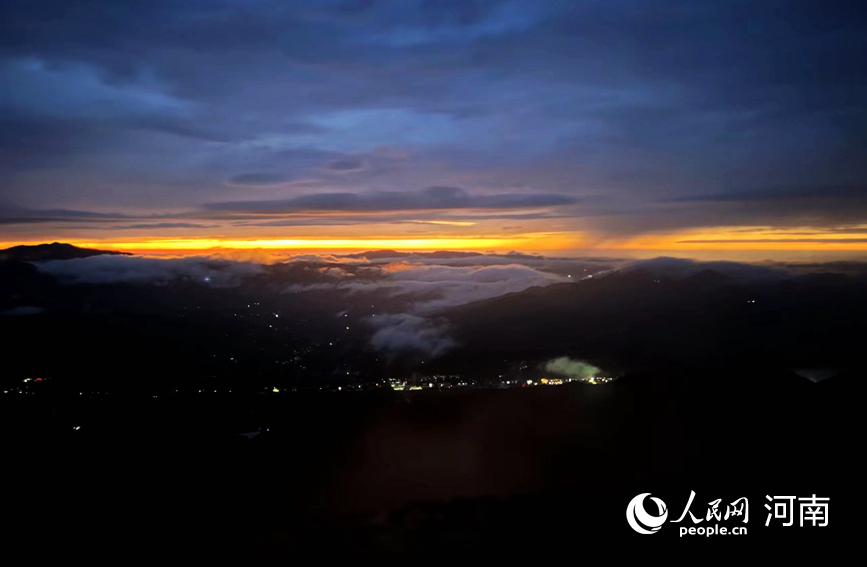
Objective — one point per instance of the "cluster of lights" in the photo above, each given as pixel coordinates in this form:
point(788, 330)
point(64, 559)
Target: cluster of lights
point(439, 382)
point(598, 379)
point(403, 385)
point(560, 381)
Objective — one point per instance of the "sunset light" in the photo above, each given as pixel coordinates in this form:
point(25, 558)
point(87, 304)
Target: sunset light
point(439, 279)
point(552, 241)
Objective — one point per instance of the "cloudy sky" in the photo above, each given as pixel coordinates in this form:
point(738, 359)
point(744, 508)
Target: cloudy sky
point(496, 125)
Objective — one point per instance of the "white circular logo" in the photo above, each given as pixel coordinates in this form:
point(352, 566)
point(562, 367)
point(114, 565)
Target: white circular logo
point(638, 518)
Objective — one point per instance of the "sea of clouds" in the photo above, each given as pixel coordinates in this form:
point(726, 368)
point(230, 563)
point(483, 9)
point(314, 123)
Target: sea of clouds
point(427, 284)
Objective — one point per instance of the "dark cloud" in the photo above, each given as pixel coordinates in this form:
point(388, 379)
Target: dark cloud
point(432, 198)
point(164, 225)
point(828, 208)
point(117, 102)
point(26, 216)
point(786, 194)
point(346, 165)
point(260, 179)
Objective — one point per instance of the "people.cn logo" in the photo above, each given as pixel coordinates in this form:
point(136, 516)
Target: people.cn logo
point(638, 518)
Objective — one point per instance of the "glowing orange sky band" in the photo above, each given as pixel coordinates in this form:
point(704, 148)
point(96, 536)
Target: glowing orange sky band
point(712, 239)
point(479, 243)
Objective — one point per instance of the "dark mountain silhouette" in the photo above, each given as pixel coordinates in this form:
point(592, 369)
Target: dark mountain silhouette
point(634, 320)
point(624, 321)
point(53, 251)
point(706, 277)
point(383, 475)
point(138, 394)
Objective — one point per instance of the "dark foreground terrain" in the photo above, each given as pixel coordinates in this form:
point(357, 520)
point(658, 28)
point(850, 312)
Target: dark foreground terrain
point(386, 474)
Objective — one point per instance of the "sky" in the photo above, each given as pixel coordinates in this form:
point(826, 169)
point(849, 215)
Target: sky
point(451, 124)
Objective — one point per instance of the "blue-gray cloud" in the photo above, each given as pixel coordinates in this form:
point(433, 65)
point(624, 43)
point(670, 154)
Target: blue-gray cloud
point(431, 198)
point(260, 179)
point(346, 165)
point(118, 105)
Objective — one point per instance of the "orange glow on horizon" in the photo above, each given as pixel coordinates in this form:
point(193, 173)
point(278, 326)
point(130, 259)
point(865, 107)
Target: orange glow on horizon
point(751, 239)
point(713, 239)
point(534, 241)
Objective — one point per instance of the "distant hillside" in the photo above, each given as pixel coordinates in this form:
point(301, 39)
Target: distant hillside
point(638, 320)
point(439, 254)
point(53, 251)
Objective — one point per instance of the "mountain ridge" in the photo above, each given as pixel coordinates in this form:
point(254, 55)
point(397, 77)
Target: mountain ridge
point(53, 251)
